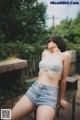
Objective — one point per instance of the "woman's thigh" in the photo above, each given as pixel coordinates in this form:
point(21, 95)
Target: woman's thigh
point(45, 113)
point(22, 108)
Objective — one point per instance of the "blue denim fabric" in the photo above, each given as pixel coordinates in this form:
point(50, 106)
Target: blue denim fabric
point(40, 94)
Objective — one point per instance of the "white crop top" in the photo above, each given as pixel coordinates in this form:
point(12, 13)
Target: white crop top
point(52, 62)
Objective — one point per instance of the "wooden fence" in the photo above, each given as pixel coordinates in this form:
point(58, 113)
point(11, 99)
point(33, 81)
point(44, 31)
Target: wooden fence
point(33, 64)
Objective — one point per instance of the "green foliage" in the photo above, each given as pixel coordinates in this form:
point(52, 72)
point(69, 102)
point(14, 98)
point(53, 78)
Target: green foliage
point(22, 20)
point(19, 50)
point(70, 30)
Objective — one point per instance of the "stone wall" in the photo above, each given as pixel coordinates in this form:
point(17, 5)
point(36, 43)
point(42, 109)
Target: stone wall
point(12, 70)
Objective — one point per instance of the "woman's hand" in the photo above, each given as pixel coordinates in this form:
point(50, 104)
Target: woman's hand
point(64, 103)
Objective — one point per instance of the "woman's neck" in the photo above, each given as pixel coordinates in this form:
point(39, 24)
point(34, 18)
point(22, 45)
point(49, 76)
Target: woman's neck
point(56, 50)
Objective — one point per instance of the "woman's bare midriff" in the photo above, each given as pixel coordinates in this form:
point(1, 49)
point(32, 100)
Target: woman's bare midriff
point(48, 78)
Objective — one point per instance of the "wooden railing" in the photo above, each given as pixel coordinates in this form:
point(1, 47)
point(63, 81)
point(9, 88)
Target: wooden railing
point(33, 64)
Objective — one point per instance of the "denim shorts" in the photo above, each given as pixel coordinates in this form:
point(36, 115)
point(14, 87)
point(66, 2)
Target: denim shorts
point(40, 94)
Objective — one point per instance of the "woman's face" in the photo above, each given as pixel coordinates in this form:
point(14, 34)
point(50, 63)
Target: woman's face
point(51, 45)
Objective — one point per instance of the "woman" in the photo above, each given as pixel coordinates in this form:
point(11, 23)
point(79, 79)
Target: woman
point(43, 93)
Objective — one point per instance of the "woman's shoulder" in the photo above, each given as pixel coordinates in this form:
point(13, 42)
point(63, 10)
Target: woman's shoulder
point(45, 52)
point(66, 55)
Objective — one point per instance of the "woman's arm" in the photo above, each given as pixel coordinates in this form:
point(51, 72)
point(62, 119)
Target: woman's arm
point(66, 67)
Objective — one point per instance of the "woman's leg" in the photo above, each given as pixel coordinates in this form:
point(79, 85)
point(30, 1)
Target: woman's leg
point(22, 108)
point(45, 113)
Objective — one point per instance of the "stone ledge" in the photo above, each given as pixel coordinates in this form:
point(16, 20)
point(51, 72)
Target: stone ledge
point(14, 64)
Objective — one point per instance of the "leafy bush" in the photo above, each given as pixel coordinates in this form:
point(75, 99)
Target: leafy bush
point(18, 49)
